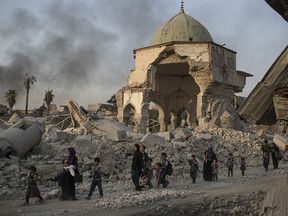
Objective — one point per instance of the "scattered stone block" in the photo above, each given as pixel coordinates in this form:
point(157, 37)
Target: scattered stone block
point(281, 142)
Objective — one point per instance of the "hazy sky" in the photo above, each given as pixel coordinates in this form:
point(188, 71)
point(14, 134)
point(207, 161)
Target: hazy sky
point(83, 49)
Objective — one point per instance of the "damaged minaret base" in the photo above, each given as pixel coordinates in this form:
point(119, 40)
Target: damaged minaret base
point(20, 138)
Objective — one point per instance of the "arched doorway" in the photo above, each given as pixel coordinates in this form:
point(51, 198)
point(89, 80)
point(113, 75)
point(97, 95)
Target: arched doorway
point(129, 117)
point(178, 91)
point(155, 122)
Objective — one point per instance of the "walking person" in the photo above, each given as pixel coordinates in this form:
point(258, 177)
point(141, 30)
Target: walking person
point(149, 173)
point(207, 169)
point(96, 179)
point(144, 158)
point(243, 166)
point(274, 149)
point(193, 168)
point(32, 188)
point(230, 164)
point(137, 166)
point(156, 173)
point(68, 182)
point(215, 168)
point(266, 154)
point(163, 171)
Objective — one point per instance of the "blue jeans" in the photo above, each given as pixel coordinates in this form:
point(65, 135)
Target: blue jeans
point(162, 178)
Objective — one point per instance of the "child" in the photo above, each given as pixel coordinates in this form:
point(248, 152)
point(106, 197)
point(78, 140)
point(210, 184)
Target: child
point(67, 167)
point(149, 171)
point(193, 168)
point(230, 163)
point(96, 179)
point(243, 165)
point(157, 169)
point(214, 166)
point(32, 189)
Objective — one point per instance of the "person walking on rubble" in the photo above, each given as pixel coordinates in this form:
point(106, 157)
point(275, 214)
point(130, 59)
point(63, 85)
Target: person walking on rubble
point(163, 171)
point(137, 167)
point(68, 182)
point(149, 172)
point(144, 158)
point(32, 188)
point(274, 149)
point(193, 168)
point(243, 166)
point(230, 164)
point(207, 166)
point(266, 154)
point(96, 179)
point(215, 168)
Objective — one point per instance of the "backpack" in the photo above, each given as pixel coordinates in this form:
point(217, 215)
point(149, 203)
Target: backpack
point(169, 169)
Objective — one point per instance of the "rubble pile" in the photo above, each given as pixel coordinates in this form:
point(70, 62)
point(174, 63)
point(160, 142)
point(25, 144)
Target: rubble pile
point(135, 199)
point(117, 156)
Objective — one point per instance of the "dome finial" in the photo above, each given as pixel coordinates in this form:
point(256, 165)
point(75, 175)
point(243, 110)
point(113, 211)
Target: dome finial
point(182, 6)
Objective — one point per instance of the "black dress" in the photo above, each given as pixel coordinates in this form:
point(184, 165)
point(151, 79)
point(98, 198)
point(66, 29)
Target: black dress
point(68, 184)
point(207, 167)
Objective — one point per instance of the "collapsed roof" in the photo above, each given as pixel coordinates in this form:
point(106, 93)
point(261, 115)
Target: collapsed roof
point(280, 6)
point(258, 107)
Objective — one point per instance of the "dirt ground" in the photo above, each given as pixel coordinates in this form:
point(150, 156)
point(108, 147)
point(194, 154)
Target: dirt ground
point(255, 184)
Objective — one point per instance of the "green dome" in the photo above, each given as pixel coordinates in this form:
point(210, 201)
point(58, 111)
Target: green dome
point(181, 27)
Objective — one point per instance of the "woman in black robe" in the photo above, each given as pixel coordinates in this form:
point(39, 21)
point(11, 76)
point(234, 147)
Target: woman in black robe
point(207, 166)
point(137, 166)
point(67, 180)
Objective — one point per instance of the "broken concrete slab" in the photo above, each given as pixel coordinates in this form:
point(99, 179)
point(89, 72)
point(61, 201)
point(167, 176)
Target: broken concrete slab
point(113, 129)
point(14, 119)
point(281, 142)
point(20, 138)
point(276, 201)
point(166, 135)
point(150, 140)
point(182, 133)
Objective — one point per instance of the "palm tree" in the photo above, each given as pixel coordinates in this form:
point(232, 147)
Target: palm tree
point(48, 99)
point(10, 96)
point(27, 83)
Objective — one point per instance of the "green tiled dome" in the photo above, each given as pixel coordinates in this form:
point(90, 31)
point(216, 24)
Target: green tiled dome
point(181, 27)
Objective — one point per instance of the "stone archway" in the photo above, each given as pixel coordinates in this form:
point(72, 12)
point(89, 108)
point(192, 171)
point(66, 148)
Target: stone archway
point(177, 89)
point(156, 121)
point(129, 116)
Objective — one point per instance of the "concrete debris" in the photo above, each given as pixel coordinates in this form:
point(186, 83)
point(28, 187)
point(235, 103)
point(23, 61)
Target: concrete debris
point(150, 140)
point(116, 159)
point(113, 129)
point(281, 142)
point(276, 200)
point(20, 138)
point(182, 133)
point(14, 119)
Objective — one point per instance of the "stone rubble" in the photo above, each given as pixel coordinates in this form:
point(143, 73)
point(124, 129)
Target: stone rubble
point(116, 163)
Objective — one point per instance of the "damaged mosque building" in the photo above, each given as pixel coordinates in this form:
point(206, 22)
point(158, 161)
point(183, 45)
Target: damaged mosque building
point(183, 74)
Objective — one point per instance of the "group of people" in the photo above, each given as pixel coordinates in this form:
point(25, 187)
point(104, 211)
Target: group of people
point(66, 179)
point(211, 165)
point(142, 168)
point(269, 147)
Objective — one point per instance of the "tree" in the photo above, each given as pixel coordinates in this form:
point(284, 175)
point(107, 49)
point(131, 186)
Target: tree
point(27, 83)
point(10, 96)
point(48, 99)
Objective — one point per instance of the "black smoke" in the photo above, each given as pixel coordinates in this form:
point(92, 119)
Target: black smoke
point(77, 48)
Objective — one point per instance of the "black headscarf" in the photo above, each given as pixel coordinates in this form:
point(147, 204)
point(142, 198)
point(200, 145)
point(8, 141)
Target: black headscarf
point(71, 157)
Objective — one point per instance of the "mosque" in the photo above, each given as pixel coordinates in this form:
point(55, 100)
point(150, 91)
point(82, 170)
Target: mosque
point(184, 75)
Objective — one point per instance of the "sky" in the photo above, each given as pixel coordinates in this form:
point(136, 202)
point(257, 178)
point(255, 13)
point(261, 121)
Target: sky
point(83, 49)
